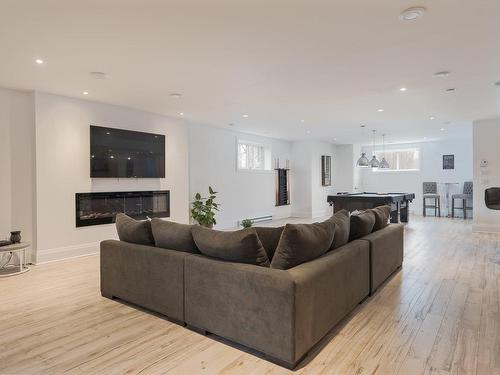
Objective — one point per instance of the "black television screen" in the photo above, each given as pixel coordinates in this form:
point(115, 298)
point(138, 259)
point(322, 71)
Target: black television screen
point(125, 153)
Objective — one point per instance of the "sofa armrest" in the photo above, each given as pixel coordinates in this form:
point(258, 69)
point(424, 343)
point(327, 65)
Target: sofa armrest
point(327, 289)
point(386, 253)
point(144, 275)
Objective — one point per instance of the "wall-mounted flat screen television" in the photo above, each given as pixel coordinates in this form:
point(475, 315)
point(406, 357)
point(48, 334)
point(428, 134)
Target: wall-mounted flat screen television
point(123, 153)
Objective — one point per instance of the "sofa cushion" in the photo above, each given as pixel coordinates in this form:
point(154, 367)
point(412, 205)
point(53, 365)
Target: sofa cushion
point(361, 224)
point(270, 237)
point(173, 236)
point(342, 227)
point(242, 246)
point(382, 214)
point(300, 243)
point(134, 231)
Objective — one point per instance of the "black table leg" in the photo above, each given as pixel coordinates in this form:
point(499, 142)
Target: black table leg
point(395, 213)
point(403, 212)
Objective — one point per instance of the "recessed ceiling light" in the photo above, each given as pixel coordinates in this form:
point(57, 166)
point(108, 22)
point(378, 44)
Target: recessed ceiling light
point(245, 116)
point(451, 89)
point(39, 61)
point(98, 75)
point(302, 121)
point(380, 110)
point(176, 95)
point(442, 129)
point(85, 93)
point(403, 89)
point(442, 73)
point(181, 113)
point(432, 118)
point(334, 139)
point(308, 132)
point(411, 14)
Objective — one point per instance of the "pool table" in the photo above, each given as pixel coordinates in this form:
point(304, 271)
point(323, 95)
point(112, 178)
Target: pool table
point(399, 203)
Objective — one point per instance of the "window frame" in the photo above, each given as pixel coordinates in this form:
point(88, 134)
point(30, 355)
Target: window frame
point(379, 154)
point(267, 157)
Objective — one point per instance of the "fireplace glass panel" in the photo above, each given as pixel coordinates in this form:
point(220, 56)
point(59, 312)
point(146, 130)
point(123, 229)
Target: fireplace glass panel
point(102, 208)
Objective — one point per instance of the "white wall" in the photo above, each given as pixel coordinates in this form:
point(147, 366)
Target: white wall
point(62, 159)
point(310, 197)
point(242, 194)
point(486, 135)
point(431, 154)
point(17, 164)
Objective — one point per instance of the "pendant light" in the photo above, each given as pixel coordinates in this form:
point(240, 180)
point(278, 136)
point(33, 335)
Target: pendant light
point(374, 163)
point(363, 160)
point(383, 163)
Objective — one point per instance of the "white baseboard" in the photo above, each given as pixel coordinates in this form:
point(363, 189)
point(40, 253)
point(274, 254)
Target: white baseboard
point(50, 255)
point(486, 228)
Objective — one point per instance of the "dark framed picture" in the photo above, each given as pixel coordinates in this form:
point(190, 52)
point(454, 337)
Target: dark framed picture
point(326, 170)
point(448, 161)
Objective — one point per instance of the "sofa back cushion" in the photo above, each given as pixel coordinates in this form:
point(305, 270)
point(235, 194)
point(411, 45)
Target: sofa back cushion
point(342, 228)
point(382, 214)
point(134, 231)
point(300, 243)
point(173, 236)
point(241, 246)
point(361, 224)
point(270, 237)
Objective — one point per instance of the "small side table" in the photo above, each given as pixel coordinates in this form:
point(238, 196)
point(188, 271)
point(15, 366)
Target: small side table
point(20, 248)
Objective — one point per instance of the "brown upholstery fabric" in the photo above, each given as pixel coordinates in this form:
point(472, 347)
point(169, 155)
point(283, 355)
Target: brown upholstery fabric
point(300, 243)
point(242, 246)
point(342, 228)
point(281, 313)
point(144, 275)
point(134, 231)
point(173, 236)
point(382, 214)
point(361, 224)
point(270, 237)
point(386, 253)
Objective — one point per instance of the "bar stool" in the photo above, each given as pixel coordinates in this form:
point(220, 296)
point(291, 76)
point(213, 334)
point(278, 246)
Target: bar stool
point(465, 196)
point(430, 192)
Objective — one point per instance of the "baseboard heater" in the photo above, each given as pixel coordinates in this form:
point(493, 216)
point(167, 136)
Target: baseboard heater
point(260, 219)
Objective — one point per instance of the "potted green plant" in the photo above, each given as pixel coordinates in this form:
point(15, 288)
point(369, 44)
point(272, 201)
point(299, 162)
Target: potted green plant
point(203, 210)
point(246, 223)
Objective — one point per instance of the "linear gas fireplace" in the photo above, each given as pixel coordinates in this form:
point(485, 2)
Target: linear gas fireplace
point(101, 208)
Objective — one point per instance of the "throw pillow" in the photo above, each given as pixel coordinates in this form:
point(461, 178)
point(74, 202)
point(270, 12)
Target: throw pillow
point(242, 246)
point(361, 224)
point(269, 236)
point(300, 243)
point(173, 236)
point(134, 231)
point(382, 214)
point(342, 227)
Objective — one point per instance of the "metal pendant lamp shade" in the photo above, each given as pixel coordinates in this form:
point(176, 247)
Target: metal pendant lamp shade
point(363, 161)
point(374, 163)
point(383, 163)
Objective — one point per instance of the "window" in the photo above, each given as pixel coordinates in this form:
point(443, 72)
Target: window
point(400, 160)
point(253, 156)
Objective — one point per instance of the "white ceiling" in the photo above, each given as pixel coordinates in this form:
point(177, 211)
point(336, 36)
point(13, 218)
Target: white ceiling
point(331, 63)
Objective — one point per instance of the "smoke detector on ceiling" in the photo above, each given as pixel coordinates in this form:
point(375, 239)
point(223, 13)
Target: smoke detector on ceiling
point(411, 14)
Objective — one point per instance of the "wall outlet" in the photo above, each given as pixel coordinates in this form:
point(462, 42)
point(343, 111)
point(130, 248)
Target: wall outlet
point(484, 163)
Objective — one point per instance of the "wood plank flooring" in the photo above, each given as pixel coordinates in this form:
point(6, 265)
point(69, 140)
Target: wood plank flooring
point(439, 315)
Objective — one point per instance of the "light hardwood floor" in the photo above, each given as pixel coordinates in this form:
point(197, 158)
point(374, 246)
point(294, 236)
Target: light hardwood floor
point(440, 315)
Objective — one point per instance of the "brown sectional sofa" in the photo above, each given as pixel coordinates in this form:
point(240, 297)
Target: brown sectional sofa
point(281, 313)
